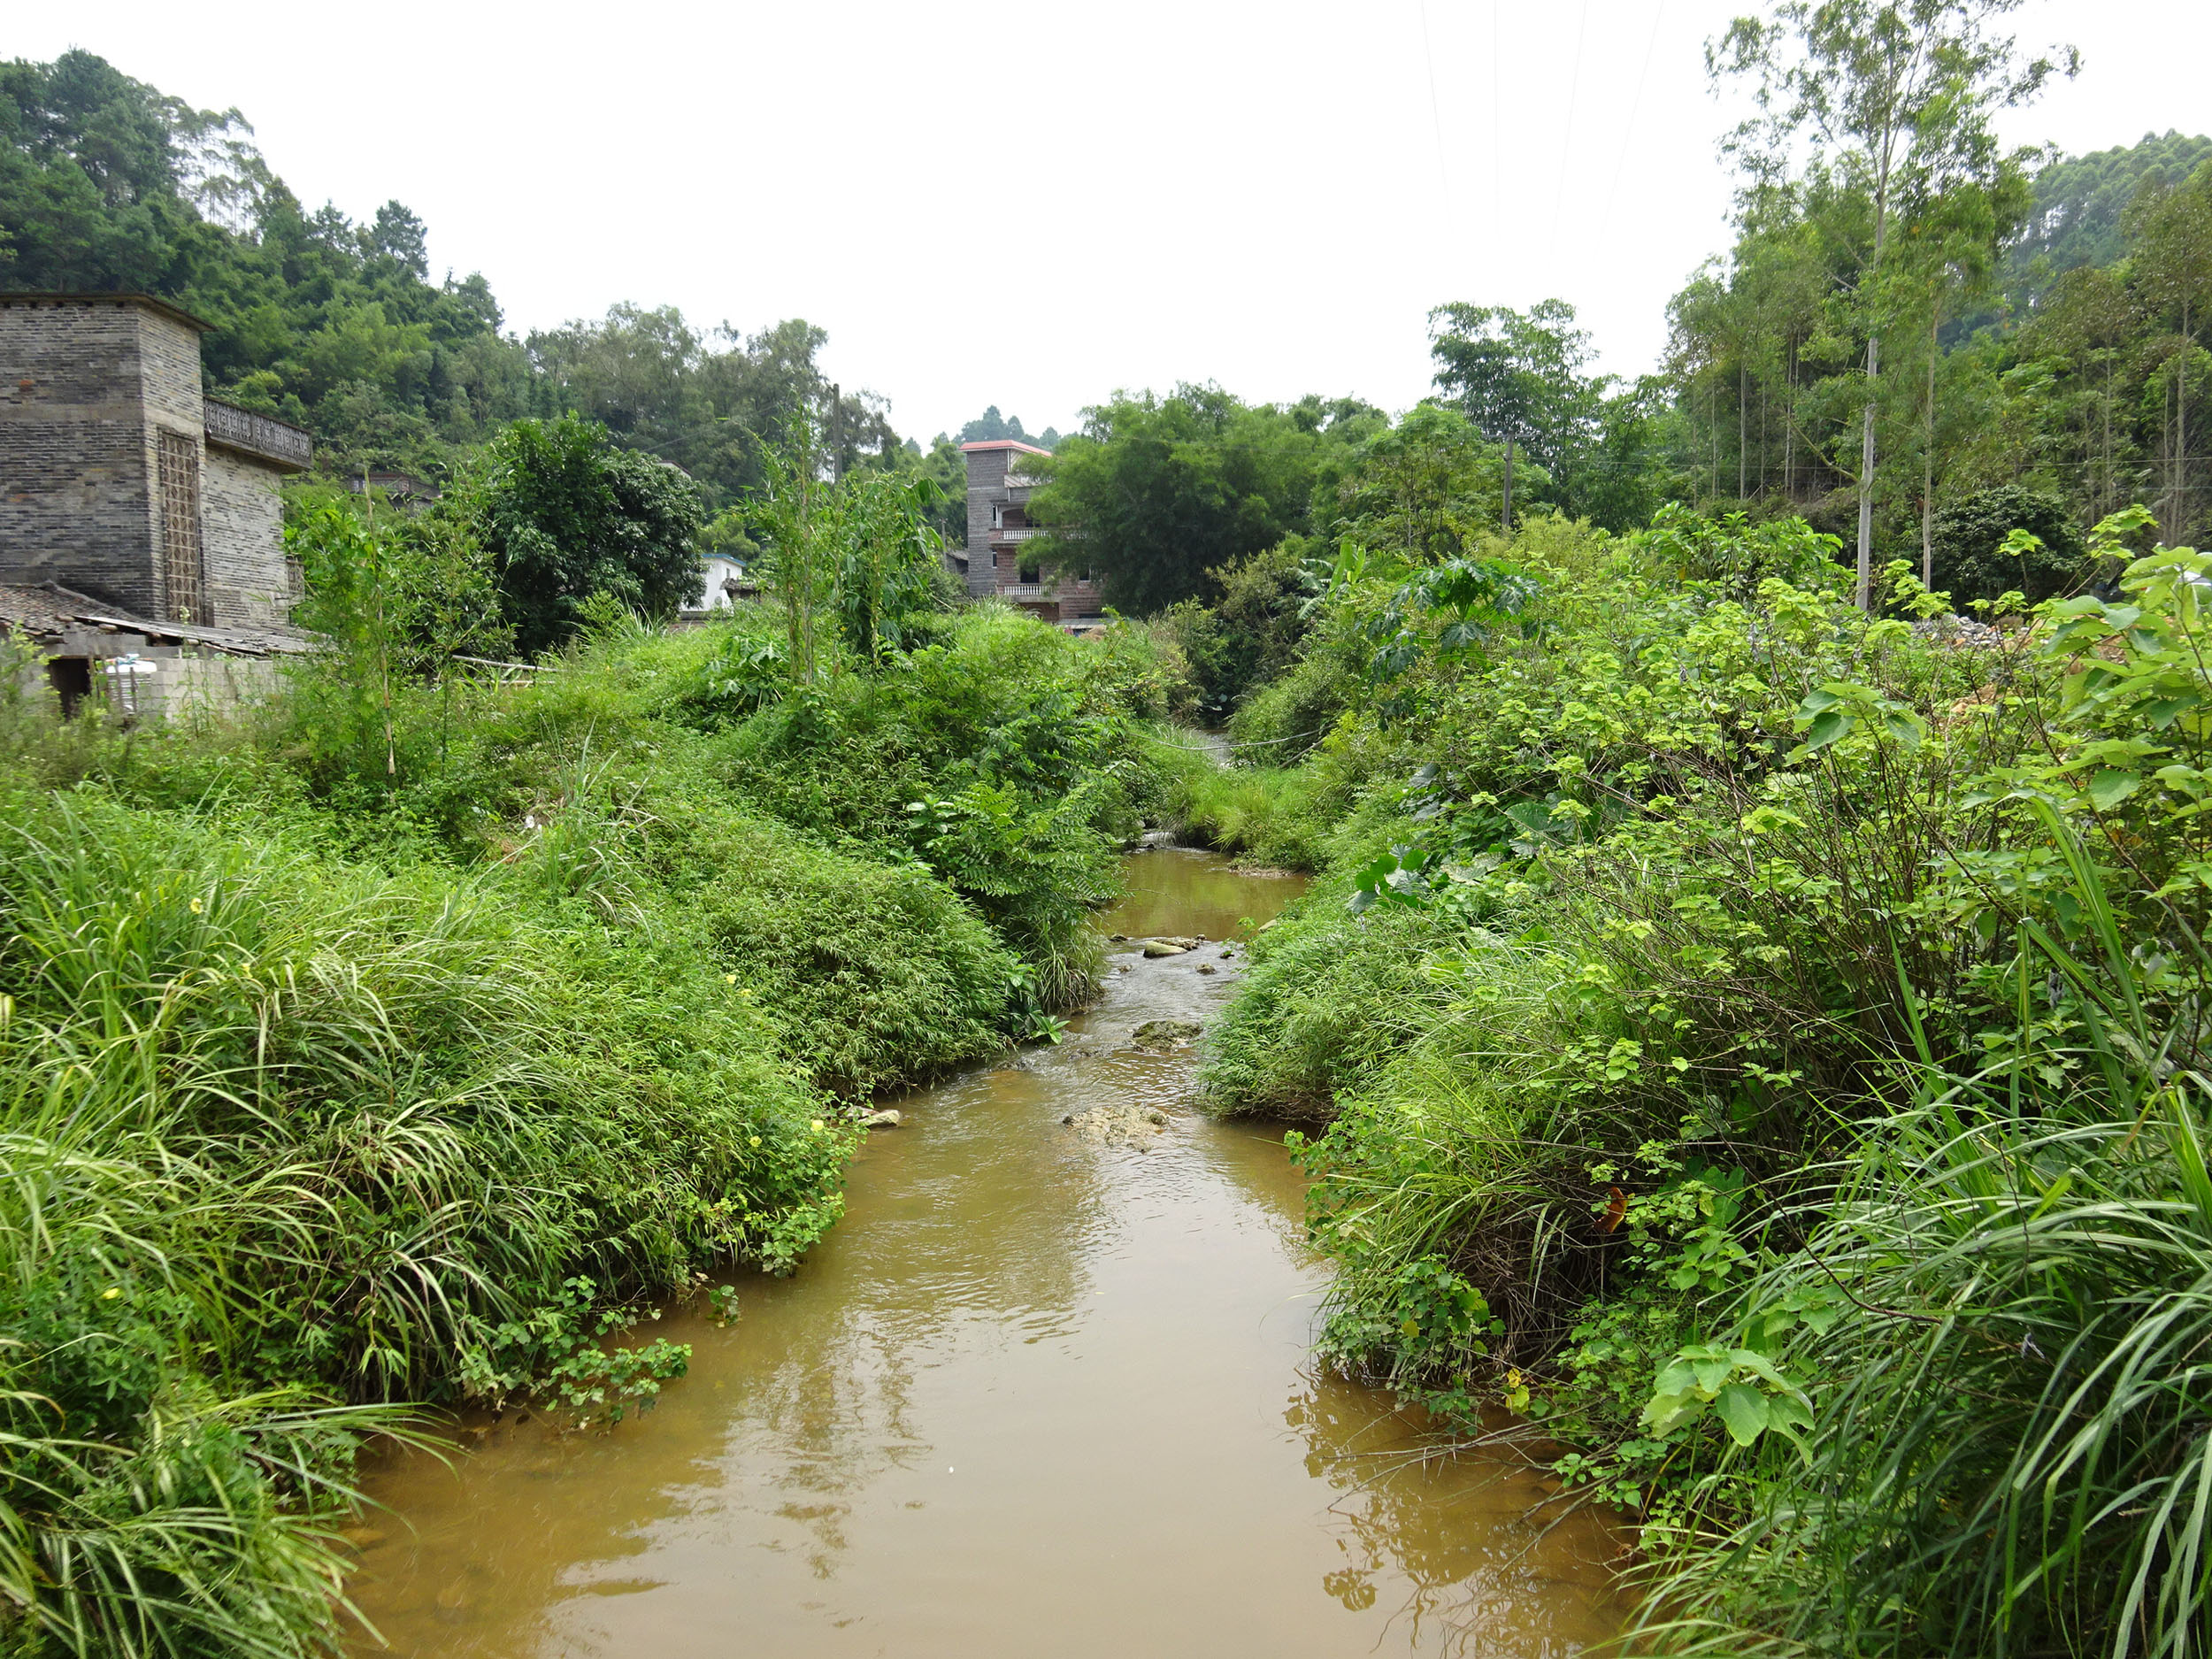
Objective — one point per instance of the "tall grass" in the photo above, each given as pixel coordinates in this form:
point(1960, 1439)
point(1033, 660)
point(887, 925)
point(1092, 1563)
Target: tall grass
point(2009, 1451)
point(281, 1135)
point(1267, 815)
point(342, 1075)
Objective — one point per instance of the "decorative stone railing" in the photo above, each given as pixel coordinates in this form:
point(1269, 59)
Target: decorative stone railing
point(258, 435)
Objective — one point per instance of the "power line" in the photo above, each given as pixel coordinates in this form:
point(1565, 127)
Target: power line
point(1567, 134)
point(1436, 118)
point(1629, 137)
point(1497, 141)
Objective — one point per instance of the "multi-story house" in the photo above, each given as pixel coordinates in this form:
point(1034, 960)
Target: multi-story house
point(999, 561)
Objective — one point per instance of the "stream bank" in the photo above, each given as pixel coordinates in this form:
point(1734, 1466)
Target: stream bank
point(1036, 1394)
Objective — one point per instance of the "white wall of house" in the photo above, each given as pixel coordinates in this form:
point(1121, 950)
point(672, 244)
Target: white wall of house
point(718, 570)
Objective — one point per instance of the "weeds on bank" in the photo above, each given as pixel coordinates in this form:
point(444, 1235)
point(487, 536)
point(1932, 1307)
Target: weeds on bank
point(354, 1064)
point(1776, 1068)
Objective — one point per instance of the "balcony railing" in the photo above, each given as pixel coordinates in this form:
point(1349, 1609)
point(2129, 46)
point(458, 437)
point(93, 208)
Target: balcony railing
point(275, 441)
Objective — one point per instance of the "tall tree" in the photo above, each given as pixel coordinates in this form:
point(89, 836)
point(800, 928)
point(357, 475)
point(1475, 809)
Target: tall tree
point(1898, 96)
point(1518, 376)
point(1420, 492)
point(565, 514)
point(1157, 492)
point(2173, 265)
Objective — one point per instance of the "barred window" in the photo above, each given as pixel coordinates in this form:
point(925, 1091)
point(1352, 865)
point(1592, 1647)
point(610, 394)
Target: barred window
point(178, 477)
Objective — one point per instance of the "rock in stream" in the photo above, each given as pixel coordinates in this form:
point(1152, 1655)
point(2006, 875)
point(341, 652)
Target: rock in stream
point(1137, 1126)
point(1165, 1036)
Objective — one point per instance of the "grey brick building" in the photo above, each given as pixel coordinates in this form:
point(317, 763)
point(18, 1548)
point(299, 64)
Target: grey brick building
point(121, 480)
point(145, 510)
point(998, 530)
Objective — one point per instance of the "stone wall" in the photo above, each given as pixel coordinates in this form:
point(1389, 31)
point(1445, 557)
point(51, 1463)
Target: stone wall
point(92, 389)
point(248, 583)
point(77, 503)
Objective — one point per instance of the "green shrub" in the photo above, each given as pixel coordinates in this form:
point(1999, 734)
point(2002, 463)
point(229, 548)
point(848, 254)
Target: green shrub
point(1287, 717)
point(1329, 997)
point(1768, 1054)
point(1968, 537)
point(878, 973)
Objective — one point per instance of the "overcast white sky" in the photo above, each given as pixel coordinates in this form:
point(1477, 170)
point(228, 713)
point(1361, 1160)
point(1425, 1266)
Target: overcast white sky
point(1032, 205)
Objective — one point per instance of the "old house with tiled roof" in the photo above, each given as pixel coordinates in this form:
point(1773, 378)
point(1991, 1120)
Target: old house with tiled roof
point(139, 518)
point(999, 561)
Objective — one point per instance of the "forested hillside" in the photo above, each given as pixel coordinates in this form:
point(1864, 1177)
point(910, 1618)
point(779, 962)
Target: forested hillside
point(108, 184)
point(2043, 331)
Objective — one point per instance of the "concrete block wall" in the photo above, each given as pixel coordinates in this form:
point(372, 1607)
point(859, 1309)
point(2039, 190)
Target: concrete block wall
point(77, 502)
point(987, 485)
point(167, 682)
point(212, 684)
point(242, 532)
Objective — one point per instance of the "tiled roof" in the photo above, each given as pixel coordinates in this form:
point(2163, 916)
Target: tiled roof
point(50, 611)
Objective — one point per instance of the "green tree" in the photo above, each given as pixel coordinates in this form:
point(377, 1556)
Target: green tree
point(94, 174)
point(1518, 376)
point(991, 426)
point(1897, 96)
point(1976, 559)
point(2078, 338)
point(2172, 231)
point(714, 403)
point(564, 514)
point(858, 555)
point(1156, 492)
point(1251, 633)
point(1422, 490)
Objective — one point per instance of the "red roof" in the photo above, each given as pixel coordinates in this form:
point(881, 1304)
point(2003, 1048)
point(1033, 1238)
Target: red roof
point(1004, 444)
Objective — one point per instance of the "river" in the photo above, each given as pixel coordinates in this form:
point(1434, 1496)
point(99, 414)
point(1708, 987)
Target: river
point(1035, 1395)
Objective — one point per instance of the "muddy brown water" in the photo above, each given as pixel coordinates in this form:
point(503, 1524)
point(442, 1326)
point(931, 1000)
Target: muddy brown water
point(1031, 1397)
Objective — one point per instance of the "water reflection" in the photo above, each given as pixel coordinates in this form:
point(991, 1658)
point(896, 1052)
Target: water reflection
point(1479, 1560)
point(1028, 1397)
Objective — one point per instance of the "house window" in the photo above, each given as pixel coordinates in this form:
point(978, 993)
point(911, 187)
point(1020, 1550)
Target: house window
point(177, 477)
point(1030, 573)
